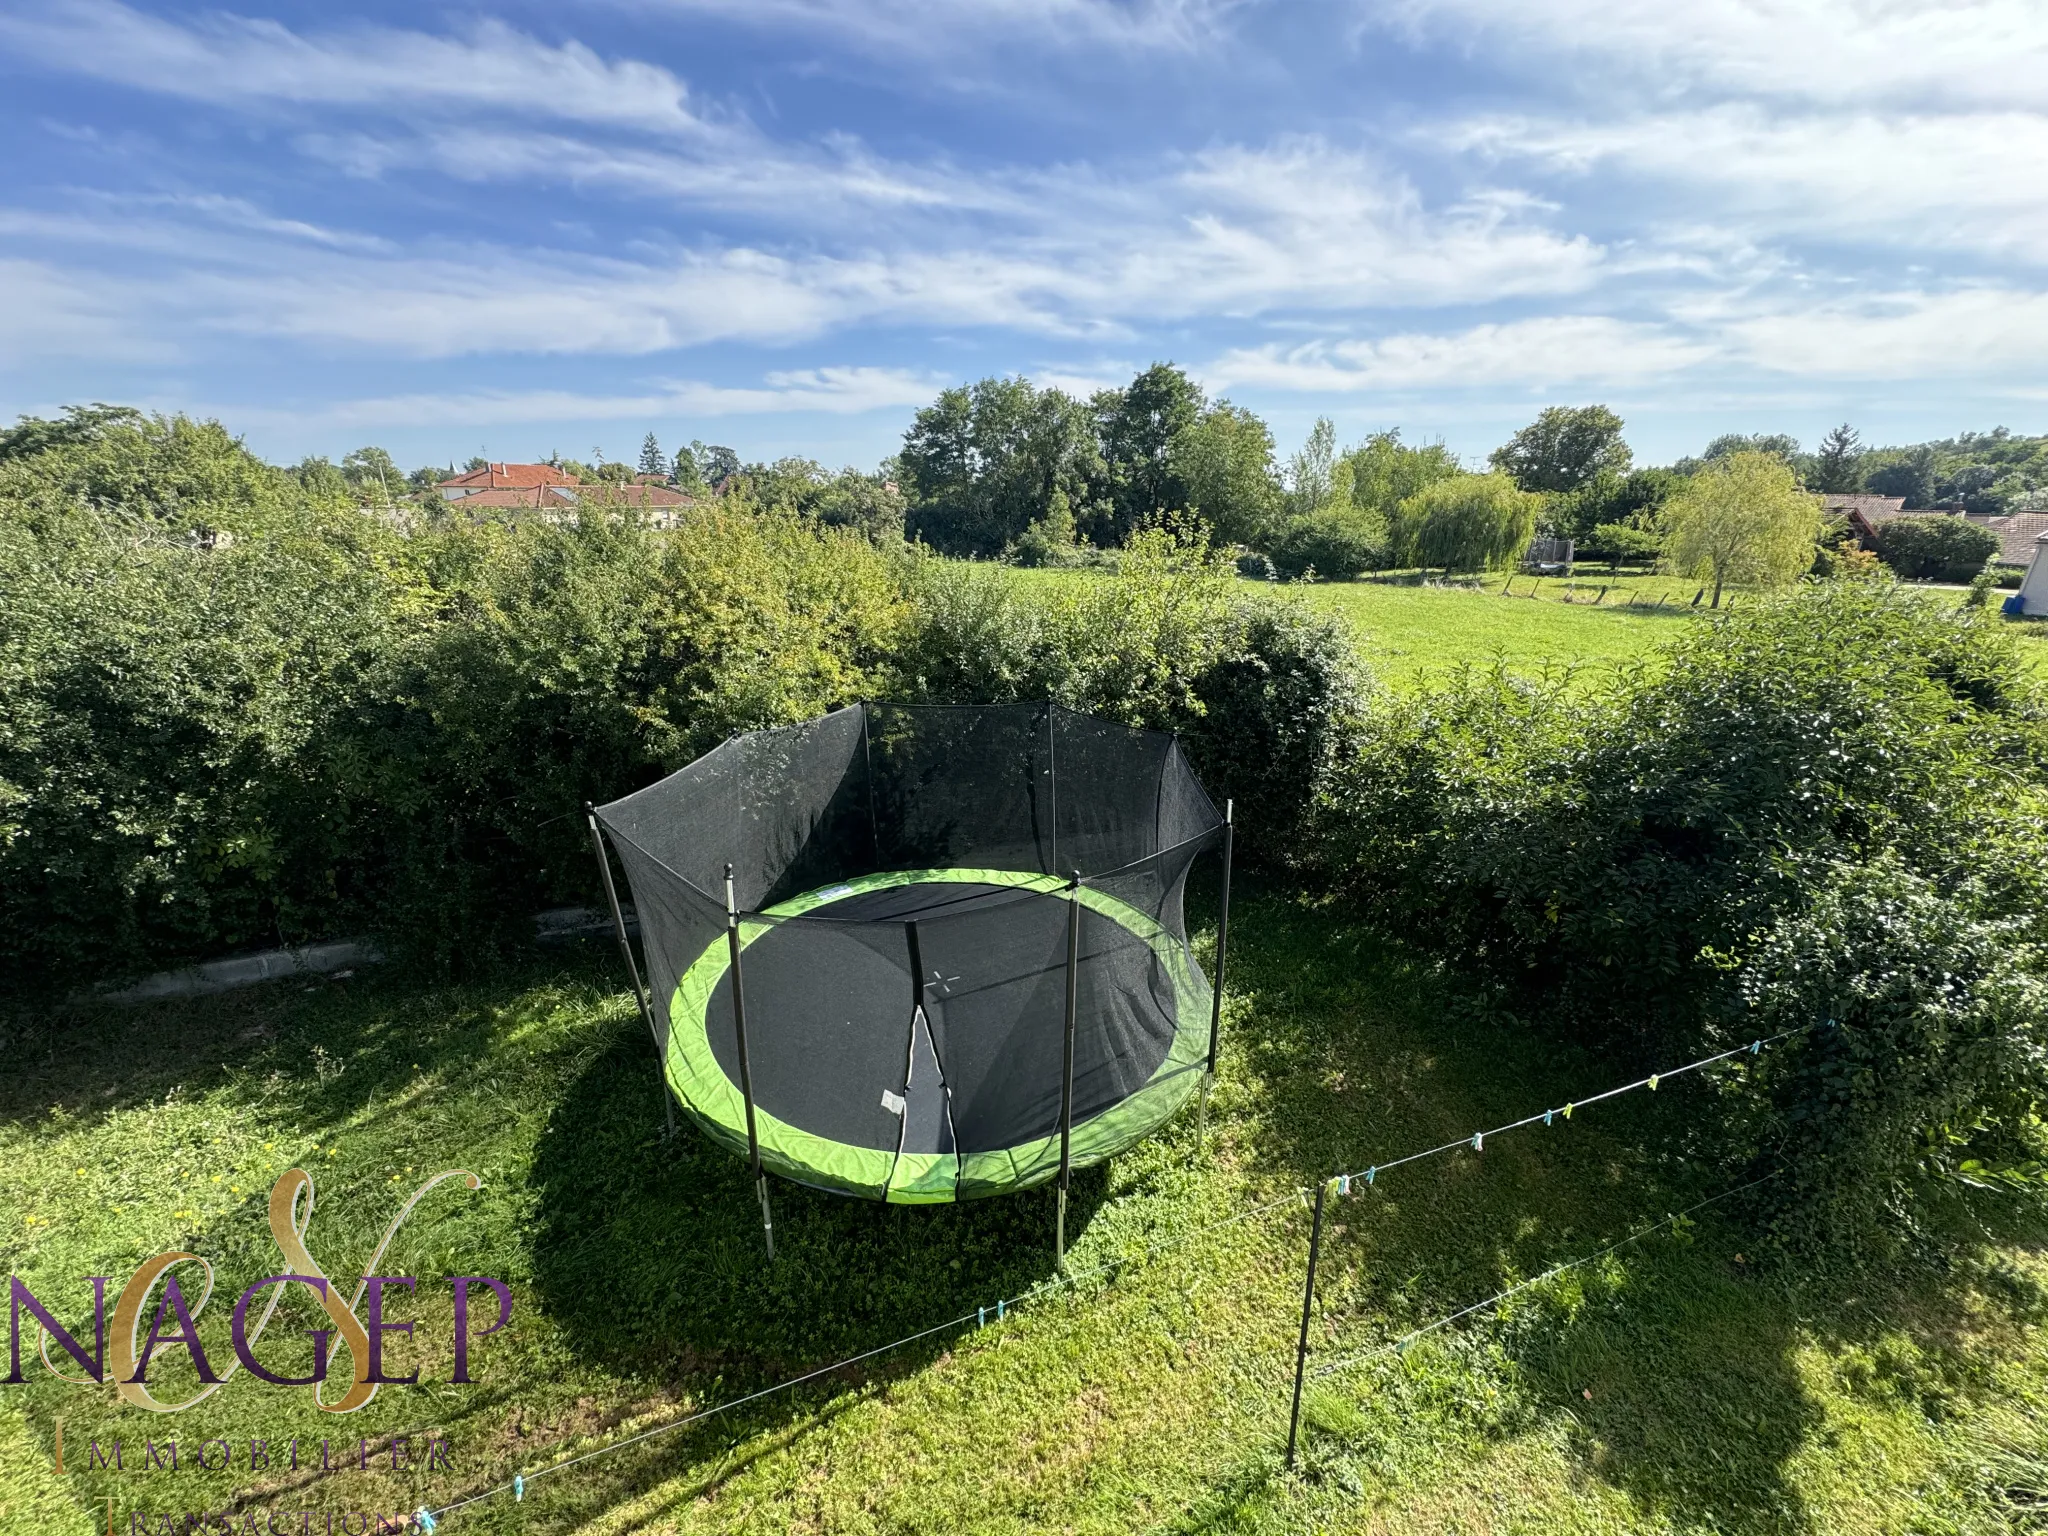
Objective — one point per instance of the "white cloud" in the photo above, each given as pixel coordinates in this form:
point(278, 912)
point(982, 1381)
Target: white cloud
point(1898, 179)
point(1981, 333)
point(1554, 349)
point(48, 312)
point(249, 61)
point(831, 391)
point(895, 29)
point(1970, 53)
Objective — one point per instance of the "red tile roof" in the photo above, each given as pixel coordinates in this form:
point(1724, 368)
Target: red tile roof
point(500, 477)
point(516, 496)
point(634, 496)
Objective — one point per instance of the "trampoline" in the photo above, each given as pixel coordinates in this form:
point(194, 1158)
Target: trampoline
point(923, 953)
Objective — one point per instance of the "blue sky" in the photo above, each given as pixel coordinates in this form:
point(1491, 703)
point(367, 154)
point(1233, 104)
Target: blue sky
point(784, 224)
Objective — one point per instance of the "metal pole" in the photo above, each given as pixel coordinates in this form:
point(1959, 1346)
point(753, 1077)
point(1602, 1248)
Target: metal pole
point(739, 1026)
point(611, 894)
point(1067, 1066)
point(1222, 956)
point(1308, 1296)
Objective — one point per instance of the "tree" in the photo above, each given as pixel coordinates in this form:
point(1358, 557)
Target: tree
point(652, 461)
point(683, 471)
point(1563, 448)
point(1632, 498)
point(372, 474)
point(1742, 518)
point(1384, 472)
point(1907, 473)
point(1135, 427)
point(1470, 522)
point(1836, 467)
point(1312, 472)
point(322, 479)
point(1224, 460)
point(1778, 445)
point(715, 462)
point(1619, 542)
point(980, 464)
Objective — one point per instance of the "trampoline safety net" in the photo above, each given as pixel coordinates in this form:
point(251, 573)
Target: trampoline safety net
point(905, 877)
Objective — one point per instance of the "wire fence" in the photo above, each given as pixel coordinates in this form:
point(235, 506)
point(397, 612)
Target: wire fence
point(1343, 1184)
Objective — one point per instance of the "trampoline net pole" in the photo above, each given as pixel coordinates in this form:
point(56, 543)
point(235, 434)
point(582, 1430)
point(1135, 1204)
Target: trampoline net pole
point(640, 994)
point(1222, 958)
point(1067, 1060)
point(739, 1026)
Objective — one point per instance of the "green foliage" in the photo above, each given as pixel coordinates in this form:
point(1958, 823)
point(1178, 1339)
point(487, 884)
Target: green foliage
point(1933, 1044)
point(981, 463)
point(1383, 472)
point(1616, 542)
point(1906, 473)
point(1838, 466)
point(1224, 460)
point(1136, 428)
point(1635, 499)
point(1261, 689)
point(1468, 523)
point(1935, 547)
point(1335, 543)
point(174, 472)
point(1563, 448)
point(870, 504)
point(1634, 862)
point(1744, 519)
point(1312, 471)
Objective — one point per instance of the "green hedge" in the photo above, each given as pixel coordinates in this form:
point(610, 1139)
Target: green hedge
point(1825, 806)
point(322, 724)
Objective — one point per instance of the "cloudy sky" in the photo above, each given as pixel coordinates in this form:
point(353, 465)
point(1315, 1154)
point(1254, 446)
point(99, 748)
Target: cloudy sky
point(784, 224)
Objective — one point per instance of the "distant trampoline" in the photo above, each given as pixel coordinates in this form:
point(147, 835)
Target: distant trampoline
point(924, 953)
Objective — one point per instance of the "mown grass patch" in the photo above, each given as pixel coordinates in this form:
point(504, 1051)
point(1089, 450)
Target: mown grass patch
point(1675, 1386)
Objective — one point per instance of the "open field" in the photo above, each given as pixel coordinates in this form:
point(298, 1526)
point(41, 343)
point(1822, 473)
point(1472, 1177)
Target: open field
point(1679, 1385)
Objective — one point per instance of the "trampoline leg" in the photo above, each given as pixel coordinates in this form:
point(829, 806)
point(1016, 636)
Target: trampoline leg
point(1202, 1111)
point(668, 1109)
point(1060, 1229)
point(767, 1216)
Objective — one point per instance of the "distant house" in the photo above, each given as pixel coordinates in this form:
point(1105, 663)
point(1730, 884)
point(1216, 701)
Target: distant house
point(504, 477)
point(2018, 534)
point(1864, 513)
point(560, 496)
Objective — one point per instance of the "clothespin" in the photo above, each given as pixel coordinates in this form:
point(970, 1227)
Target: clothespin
point(518, 1487)
point(1479, 1141)
point(1547, 1114)
point(1000, 1307)
point(1755, 1046)
point(1653, 1082)
point(1343, 1183)
point(423, 1520)
point(981, 1317)
point(1371, 1174)
point(1567, 1111)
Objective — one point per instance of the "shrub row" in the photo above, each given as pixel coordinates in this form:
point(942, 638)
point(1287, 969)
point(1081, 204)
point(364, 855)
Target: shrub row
point(323, 725)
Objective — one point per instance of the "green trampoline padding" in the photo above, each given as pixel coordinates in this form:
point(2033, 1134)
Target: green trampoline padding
point(912, 1178)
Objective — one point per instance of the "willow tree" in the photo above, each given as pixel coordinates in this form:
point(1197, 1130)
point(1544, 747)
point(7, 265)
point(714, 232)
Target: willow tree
point(1467, 522)
point(1742, 519)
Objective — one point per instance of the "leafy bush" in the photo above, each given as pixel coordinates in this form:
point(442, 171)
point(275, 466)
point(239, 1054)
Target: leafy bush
point(1931, 1046)
point(1622, 860)
point(1616, 542)
point(1336, 543)
point(1935, 547)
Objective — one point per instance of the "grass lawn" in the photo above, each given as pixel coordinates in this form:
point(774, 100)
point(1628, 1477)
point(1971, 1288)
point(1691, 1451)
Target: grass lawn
point(1412, 632)
point(1677, 1386)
